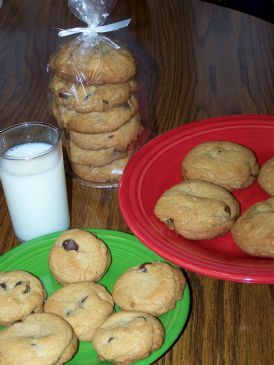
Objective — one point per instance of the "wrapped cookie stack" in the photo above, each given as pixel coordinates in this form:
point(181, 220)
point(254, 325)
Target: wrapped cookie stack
point(93, 85)
point(94, 104)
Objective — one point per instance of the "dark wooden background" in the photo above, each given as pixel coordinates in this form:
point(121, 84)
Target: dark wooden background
point(197, 60)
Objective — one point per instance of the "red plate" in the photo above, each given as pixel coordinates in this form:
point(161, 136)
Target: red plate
point(157, 166)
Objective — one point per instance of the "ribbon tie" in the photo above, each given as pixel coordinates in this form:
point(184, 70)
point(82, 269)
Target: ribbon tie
point(91, 29)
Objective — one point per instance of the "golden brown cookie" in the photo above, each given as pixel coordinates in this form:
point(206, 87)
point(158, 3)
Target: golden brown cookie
point(93, 158)
point(197, 210)
point(76, 61)
point(108, 173)
point(78, 255)
point(128, 336)
point(119, 139)
point(84, 305)
point(227, 164)
point(253, 232)
point(41, 338)
point(21, 293)
point(88, 98)
point(266, 176)
point(96, 122)
point(152, 287)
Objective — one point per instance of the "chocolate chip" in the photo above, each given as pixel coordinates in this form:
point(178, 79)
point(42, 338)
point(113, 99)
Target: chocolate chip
point(18, 321)
point(70, 245)
point(141, 317)
point(227, 210)
point(82, 301)
point(86, 97)
point(63, 95)
point(170, 223)
point(3, 286)
point(27, 289)
point(143, 268)
point(110, 339)
point(111, 136)
point(18, 283)
point(106, 102)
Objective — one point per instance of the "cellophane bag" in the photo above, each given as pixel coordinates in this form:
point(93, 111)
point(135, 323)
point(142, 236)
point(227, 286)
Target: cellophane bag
point(98, 97)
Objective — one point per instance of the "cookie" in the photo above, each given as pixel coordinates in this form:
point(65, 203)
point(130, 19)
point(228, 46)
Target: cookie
point(197, 210)
point(78, 255)
point(128, 336)
point(21, 293)
point(253, 232)
point(41, 338)
point(96, 122)
point(101, 64)
point(119, 139)
point(227, 164)
point(153, 288)
point(84, 305)
point(266, 176)
point(94, 158)
point(87, 98)
point(108, 173)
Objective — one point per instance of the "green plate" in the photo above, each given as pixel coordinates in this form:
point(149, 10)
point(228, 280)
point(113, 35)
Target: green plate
point(126, 251)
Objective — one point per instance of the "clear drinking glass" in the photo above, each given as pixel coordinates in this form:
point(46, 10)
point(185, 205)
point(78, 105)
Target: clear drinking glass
point(33, 179)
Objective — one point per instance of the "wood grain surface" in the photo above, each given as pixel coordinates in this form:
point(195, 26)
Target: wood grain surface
point(197, 60)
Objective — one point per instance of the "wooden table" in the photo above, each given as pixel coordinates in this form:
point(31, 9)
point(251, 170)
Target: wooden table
point(205, 60)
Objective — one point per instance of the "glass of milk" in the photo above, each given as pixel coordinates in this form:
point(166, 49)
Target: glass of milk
point(33, 179)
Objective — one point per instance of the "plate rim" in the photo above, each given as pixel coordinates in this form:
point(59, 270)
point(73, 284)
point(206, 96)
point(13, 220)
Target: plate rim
point(228, 122)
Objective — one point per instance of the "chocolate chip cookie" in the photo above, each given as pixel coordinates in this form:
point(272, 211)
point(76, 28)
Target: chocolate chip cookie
point(78, 255)
point(128, 336)
point(88, 98)
point(78, 62)
point(84, 305)
point(227, 164)
point(90, 157)
point(118, 139)
point(266, 176)
point(153, 288)
point(197, 210)
point(253, 232)
point(21, 293)
point(40, 338)
point(101, 174)
point(96, 122)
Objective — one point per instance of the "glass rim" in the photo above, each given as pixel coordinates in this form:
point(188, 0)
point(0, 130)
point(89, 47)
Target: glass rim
point(32, 123)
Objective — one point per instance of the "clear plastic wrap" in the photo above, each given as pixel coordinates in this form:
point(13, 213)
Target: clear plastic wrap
point(97, 98)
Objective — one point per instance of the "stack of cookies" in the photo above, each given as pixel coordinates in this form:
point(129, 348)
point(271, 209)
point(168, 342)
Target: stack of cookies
point(93, 101)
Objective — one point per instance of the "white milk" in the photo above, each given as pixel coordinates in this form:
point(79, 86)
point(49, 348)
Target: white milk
point(35, 190)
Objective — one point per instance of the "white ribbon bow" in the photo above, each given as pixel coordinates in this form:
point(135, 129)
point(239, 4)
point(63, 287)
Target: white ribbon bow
point(90, 29)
